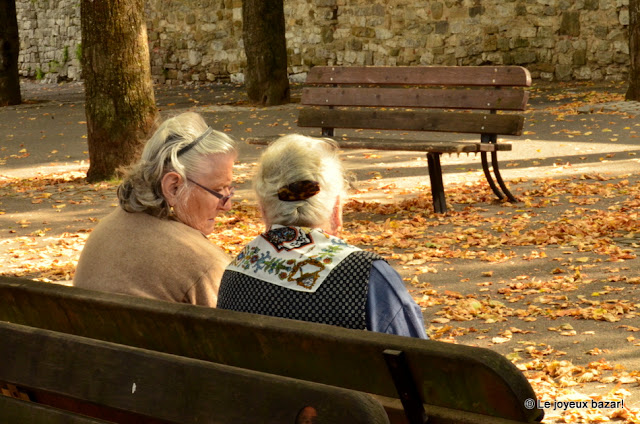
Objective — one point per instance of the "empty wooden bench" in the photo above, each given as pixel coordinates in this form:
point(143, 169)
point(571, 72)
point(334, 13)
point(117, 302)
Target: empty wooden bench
point(469, 100)
point(413, 379)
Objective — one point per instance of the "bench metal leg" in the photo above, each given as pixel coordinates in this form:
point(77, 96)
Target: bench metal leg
point(437, 187)
point(496, 171)
point(492, 139)
point(489, 177)
point(503, 190)
point(406, 386)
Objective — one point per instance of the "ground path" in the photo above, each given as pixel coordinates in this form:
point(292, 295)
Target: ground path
point(552, 282)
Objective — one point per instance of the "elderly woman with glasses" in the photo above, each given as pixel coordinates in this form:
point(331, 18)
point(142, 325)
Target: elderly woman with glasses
point(299, 268)
point(154, 244)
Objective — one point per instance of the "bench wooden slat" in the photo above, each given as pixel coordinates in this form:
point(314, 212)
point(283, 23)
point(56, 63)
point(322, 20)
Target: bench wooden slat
point(504, 99)
point(421, 75)
point(458, 122)
point(426, 146)
point(168, 387)
point(454, 377)
point(16, 411)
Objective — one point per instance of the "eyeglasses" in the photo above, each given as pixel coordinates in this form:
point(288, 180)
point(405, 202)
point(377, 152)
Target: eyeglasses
point(223, 199)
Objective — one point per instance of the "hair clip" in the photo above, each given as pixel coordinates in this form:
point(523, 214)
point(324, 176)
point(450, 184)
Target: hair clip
point(299, 190)
point(191, 145)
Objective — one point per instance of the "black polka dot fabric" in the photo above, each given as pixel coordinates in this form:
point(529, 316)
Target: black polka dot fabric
point(340, 300)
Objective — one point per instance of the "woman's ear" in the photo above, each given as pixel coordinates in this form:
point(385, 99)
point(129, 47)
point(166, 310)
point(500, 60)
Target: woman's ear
point(336, 218)
point(171, 182)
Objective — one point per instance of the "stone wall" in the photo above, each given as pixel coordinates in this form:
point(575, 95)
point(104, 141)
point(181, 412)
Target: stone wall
point(49, 39)
point(201, 40)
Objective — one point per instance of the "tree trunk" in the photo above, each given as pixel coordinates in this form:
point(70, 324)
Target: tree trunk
point(263, 33)
point(633, 93)
point(9, 49)
point(120, 104)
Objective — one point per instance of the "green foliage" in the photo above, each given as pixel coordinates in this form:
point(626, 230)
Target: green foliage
point(54, 66)
point(65, 54)
point(39, 74)
point(79, 52)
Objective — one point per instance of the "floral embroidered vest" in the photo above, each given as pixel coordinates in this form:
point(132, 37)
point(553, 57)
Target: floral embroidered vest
point(340, 300)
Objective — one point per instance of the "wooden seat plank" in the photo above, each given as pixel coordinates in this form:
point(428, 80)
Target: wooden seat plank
point(168, 387)
point(421, 75)
point(16, 411)
point(489, 385)
point(504, 99)
point(458, 122)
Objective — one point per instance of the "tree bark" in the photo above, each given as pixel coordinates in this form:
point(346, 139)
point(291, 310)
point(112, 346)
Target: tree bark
point(9, 49)
point(633, 93)
point(120, 103)
point(263, 34)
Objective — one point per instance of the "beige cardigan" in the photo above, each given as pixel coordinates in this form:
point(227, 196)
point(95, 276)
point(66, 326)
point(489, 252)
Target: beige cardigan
point(140, 255)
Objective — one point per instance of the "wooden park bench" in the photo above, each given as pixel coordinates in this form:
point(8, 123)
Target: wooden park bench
point(469, 100)
point(106, 355)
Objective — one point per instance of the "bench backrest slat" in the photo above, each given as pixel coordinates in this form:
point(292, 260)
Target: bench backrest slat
point(504, 99)
point(485, 383)
point(168, 387)
point(421, 75)
point(458, 122)
point(16, 411)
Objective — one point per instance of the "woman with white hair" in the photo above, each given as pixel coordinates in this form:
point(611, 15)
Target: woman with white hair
point(299, 268)
point(154, 244)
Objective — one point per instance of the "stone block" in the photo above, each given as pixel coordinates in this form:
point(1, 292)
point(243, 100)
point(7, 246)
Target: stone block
point(580, 57)
point(375, 21)
point(604, 57)
point(601, 31)
point(491, 29)
point(591, 4)
point(503, 44)
point(545, 67)
point(563, 72)
point(621, 47)
point(624, 16)
point(326, 34)
point(442, 27)
point(368, 58)
point(617, 34)
point(520, 42)
point(546, 76)
point(427, 58)
point(354, 44)
point(583, 73)
point(363, 32)
point(565, 4)
point(522, 57)
point(378, 10)
point(564, 59)
point(570, 24)
point(622, 58)
point(563, 46)
point(437, 10)
point(383, 34)
point(490, 44)
point(476, 11)
point(542, 42)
